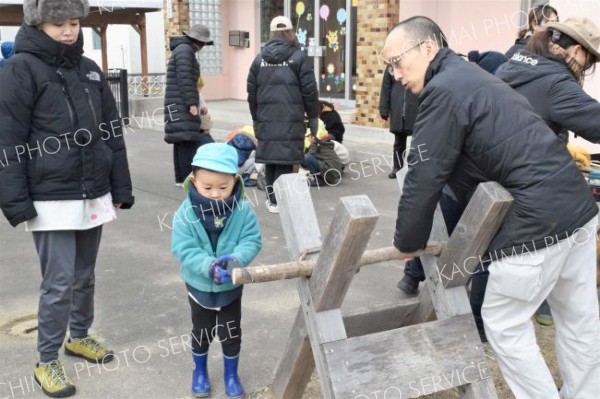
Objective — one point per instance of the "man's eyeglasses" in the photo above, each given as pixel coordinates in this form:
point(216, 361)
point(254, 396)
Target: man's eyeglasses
point(397, 59)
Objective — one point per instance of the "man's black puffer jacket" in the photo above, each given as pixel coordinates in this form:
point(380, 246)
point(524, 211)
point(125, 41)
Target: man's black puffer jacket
point(60, 131)
point(281, 89)
point(472, 127)
point(181, 93)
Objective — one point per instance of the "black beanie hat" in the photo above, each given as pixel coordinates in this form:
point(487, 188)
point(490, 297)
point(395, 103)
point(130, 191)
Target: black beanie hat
point(490, 60)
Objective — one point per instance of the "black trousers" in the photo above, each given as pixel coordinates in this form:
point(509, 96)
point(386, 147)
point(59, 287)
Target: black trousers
point(183, 154)
point(399, 149)
point(223, 325)
point(272, 173)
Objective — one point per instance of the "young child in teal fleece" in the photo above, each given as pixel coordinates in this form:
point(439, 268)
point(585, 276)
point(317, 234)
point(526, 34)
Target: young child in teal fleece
point(214, 230)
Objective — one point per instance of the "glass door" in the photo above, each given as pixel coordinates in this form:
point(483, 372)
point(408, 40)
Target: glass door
point(303, 19)
point(333, 25)
point(333, 30)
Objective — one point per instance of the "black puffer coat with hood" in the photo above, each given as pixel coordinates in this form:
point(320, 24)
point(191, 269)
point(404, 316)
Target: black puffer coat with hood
point(553, 91)
point(60, 131)
point(399, 104)
point(181, 93)
point(281, 89)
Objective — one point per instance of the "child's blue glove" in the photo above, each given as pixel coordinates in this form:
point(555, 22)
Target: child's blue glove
point(223, 260)
point(218, 269)
point(222, 276)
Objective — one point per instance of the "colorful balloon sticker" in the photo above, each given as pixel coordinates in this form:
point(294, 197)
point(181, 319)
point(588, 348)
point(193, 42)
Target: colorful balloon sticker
point(300, 8)
point(341, 15)
point(324, 12)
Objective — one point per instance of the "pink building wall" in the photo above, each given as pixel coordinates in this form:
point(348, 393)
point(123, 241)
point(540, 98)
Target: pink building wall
point(236, 15)
point(470, 24)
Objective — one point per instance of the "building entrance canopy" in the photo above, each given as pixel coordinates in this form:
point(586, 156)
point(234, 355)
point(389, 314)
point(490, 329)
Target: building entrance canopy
point(102, 14)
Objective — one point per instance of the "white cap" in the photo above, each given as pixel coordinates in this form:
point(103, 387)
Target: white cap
point(281, 23)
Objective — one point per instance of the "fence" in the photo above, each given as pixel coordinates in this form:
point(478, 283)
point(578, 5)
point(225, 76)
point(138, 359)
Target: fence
point(117, 80)
point(152, 85)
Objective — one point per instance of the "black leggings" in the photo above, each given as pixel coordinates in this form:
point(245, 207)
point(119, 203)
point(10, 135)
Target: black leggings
point(224, 324)
point(272, 173)
point(183, 154)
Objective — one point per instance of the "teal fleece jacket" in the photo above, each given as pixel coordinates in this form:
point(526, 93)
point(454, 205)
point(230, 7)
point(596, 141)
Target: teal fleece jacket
point(190, 243)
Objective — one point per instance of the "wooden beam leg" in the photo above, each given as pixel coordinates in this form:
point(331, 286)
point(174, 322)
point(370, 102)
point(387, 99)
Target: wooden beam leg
point(354, 220)
point(451, 300)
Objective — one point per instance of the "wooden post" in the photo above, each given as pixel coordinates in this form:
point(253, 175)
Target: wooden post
point(140, 28)
point(303, 238)
point(354, 220)
point(144, 53)
point(101, 31)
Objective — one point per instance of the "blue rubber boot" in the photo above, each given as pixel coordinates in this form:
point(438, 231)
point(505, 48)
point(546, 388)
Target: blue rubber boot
point(233, 386)
point(200, 381)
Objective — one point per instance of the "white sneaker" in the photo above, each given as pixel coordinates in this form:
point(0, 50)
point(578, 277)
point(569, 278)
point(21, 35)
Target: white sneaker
point(272, 208)
point(178, 184)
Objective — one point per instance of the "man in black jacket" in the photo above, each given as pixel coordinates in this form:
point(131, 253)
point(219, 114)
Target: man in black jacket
point(475, 129)
point(182, 117)
point(401, 107)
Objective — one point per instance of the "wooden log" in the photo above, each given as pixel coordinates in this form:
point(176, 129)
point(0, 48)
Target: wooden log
point(288, 270)
point(354, 220)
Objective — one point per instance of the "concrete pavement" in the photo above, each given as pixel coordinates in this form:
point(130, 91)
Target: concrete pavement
point(142, 310)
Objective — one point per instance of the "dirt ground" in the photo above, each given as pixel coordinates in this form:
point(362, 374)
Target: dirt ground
point(545, 336)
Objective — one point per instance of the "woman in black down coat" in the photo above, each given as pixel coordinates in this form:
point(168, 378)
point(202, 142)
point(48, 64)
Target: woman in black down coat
point(63, 174)
point(182, 117)
point(281, 89)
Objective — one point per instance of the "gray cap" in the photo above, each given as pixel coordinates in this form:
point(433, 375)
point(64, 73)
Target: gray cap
point(39, 11)
point(199, 33)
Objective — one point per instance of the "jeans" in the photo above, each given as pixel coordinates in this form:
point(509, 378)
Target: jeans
point(312, 164)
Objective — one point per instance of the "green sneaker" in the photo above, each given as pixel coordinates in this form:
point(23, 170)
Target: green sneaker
point(53, 380)
point(89, 348)
point(543, 315)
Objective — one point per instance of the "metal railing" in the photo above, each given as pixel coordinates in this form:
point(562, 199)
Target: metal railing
point(117, 80)
point(152, 85)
